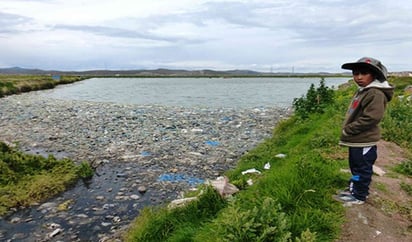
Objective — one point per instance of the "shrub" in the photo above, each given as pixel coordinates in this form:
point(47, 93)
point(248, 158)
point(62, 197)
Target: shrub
point(265, 222)
point(315, 101)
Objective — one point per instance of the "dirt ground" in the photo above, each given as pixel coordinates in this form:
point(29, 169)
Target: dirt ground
point(387, 214)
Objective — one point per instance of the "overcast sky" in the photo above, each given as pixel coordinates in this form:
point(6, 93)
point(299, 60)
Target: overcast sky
point(260, 35)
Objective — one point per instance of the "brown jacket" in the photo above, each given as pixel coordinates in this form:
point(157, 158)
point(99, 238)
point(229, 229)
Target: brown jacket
point(361, 125)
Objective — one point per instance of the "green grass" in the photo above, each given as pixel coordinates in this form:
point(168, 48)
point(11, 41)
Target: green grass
point(27, 179)
point(14, 84)
point(397, 124)
point(291, 201)
point(407, 188)
point(163, 224)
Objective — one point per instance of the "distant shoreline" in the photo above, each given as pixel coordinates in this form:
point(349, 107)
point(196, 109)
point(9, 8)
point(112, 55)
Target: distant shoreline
point(166, 73)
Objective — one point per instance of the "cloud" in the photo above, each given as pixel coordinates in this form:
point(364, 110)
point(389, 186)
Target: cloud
point(112, 32)
point(12, 23)
point(307, 35)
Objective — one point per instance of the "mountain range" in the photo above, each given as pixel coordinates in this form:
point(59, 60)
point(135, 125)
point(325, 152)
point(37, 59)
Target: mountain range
point(155, 72)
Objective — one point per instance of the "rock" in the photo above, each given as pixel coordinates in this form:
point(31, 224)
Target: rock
point(377, 170)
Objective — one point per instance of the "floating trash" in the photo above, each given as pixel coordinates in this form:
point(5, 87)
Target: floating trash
point(212, 143)
point(226, 119)
point(172, 177)
point(280, 156)
point(145, 153)
point(253, 170)
point(160, 144)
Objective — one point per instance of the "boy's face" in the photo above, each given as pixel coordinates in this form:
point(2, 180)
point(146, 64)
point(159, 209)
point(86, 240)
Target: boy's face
point(362, 77)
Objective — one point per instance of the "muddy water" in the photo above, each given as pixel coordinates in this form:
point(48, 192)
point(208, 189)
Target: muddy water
point(95, 208)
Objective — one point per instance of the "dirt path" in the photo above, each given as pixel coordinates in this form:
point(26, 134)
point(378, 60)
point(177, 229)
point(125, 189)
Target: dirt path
point(387, 214)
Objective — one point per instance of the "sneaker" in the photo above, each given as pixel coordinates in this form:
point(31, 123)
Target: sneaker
point(348, 199)
point(345, 192)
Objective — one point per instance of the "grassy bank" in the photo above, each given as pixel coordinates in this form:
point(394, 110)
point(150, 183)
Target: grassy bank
point(292, 200)
point(14, 84)
point(28, 179)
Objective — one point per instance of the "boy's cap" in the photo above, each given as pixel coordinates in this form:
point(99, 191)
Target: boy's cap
point(371, 63)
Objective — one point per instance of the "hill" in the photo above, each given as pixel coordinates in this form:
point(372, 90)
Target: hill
point(156, 72)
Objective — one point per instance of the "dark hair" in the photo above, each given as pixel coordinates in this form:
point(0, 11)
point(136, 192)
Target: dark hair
point(364, 70)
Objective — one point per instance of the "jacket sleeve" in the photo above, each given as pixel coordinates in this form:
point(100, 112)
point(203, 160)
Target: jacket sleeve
point(373, 105)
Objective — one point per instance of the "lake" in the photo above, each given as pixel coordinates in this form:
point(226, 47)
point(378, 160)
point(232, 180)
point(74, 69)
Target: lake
point(191, 92)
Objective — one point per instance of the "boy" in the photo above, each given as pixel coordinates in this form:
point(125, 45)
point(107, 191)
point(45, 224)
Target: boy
point(360, 129)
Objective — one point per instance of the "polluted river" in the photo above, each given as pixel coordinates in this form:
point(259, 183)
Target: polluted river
point(144, 153)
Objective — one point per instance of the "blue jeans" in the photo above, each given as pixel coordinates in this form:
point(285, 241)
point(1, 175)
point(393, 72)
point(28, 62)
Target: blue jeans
point(361, 160)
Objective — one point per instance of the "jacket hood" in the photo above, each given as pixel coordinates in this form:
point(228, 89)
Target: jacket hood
point(384, 86)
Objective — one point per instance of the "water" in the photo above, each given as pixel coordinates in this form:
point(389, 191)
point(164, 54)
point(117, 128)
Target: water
point(89, 218)
point(189, 92)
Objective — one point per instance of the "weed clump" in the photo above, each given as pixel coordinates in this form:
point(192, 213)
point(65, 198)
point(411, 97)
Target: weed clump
point(264, 222)
point(26, 179)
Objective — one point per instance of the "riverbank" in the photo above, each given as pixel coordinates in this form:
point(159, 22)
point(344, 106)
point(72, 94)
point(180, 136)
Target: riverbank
point(292, 200)
point(301, 183)
point(144, 155)
point(15, 84)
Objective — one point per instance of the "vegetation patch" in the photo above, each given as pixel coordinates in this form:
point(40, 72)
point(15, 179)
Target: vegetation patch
point(289, 202)
point(178, 224)
point(27, 179)
point(315, 101)
point(292, 200)
point(404, 168)
point(14, 84)
point(406, 187)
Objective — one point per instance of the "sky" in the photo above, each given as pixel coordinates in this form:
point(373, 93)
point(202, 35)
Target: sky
point(258, 35)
